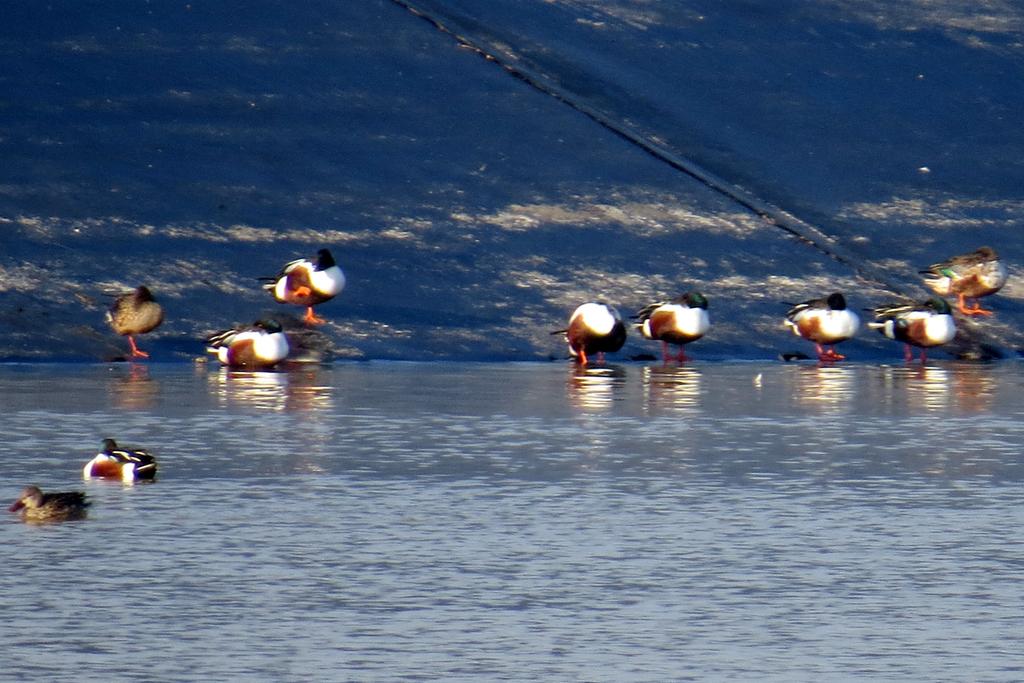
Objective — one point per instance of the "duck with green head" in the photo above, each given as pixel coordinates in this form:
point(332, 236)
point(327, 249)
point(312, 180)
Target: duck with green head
point(925, 324)
point(826, 322)
point(679, 321)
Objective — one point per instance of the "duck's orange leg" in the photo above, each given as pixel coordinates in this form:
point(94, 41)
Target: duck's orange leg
point(828, 355)
point(665, 355)
point(681, 357)
point(976, 309)
point(311, 318)
point(136, 352)
point(581, 357)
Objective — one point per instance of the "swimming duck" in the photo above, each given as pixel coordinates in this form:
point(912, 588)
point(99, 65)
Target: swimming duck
point(307, 282)
point(968, 276)
point(36, 506)
point(926, 324)
point(594, 327)
point(259, 345)
point(826, 322)
point(127, 464)
point(135, 312)
point(679, 321)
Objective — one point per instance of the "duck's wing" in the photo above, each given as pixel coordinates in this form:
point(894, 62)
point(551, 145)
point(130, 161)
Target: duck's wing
point(66, 499)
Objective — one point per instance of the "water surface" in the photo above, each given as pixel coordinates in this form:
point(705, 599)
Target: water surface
point(403, 521)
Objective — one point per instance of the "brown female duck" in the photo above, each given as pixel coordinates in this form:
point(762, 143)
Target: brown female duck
point(36, 506)
point(968, 277)
point(135, 312)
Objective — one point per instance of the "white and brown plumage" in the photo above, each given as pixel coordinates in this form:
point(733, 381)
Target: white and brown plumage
point(594, 327)
point(36, 506)
point(127, 464)
point(968, 277)
point(307, 282)
point(260, 345)
point(924, 325)
point(133, 313)
point(826, 322)
point(679, 321)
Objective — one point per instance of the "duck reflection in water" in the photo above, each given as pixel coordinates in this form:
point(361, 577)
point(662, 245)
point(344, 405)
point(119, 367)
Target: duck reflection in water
point(594, 388)
point(132, 388)
point(967, 387)
point(919, 388)
point(257, 389)
point(825, 387)
point(974, 386)
point(307, 390)
point(297, 389)
point(671, 387)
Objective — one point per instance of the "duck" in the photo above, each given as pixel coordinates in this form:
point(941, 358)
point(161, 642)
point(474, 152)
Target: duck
point(594, 328)
point(133, 313)
point(36, 506)
point(307, 282)
point(968, 276)
point(127, 464)
point(260, 345)
point(826, 322)
point(922, 324)
point(680, 321)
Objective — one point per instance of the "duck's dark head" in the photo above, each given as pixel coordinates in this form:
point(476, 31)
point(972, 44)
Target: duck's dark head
point(695, 300)
point(142, 293)
point(836, 301)
point(268, 325)
point(940, 306)
point(108, 446)
point(324, 260)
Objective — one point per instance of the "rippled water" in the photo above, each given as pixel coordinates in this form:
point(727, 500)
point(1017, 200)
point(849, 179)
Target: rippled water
point(481, 522)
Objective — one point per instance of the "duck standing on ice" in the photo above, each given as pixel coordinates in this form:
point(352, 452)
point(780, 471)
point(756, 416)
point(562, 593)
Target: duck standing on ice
point(135, 312)
point(969, 277)
point(680, 321)
point(594, 327)
point(924, 325)
point(826, 322)
point(307, 282)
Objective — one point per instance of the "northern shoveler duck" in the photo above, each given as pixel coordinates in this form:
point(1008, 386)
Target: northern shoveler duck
point(826, 322)
point(968, 276)
point(127, 464)
point(594, 327)
point(307, 282)
point(135, 312)
point(36, 506)
point(926, 324)
point(259, 345)
point(679, 321)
